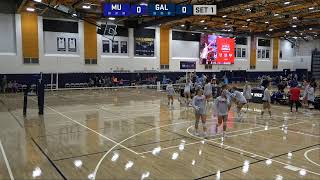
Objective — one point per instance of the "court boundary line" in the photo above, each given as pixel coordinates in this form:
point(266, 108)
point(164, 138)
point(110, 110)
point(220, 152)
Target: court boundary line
point(202, 139)
point(48, 158)
point(306, 134)
point(263, 159)
point(6, 161)
point(306, 156)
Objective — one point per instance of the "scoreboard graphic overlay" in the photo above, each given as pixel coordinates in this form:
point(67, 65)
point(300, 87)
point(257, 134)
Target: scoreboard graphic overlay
point(118, 9)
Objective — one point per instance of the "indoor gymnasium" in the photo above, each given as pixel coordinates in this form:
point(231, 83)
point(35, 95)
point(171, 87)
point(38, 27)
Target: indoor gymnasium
point(155, 89)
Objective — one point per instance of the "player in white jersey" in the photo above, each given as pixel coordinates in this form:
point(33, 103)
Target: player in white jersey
point(170, 92)
point(239, 99)
point(187, 91)
point(208, 90)
point(266, 100)
point(199, 104)
point(247, 93)
point(221, 108)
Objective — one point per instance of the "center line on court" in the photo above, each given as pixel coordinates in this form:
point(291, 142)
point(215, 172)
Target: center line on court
point(6, 161)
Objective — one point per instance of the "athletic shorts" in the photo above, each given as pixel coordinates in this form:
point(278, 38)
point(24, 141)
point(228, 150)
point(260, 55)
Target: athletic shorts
point(224, 118)
point(200, 112)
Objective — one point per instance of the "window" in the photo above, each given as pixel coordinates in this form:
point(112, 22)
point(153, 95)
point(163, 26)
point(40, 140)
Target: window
point(124, 47)
point(90, 61)
point(267, 54)
point(244, 52)
point(264, 42)
point(164, 66)
point(106, 46)
point(240, 52)
point(115, 47)
point(259, 53)
point(241, 41)
point(30, 60)
point(263, 53)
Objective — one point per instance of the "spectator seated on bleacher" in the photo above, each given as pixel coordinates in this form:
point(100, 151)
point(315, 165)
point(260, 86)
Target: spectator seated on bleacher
point(278, 97)
point(91, 83)
point(281, 86)
point(293, 83)
point(115, 81)
point(121, 82)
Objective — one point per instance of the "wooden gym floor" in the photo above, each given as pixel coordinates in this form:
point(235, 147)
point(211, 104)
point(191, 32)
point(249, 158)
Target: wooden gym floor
point(132, 134)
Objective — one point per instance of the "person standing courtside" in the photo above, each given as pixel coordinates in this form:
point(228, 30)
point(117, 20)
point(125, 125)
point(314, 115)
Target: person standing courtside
point(247, 93)
point(4, 84)
point(266, 100)
point(294, 97)
point(199, 104)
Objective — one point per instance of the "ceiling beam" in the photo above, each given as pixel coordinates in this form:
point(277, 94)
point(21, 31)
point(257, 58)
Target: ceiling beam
point(282, 30)
point(21, 5)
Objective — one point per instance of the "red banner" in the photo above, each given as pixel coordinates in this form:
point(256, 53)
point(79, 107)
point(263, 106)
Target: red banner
point(225, 49)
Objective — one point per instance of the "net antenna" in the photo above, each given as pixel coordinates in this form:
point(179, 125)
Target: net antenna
point(110, 31)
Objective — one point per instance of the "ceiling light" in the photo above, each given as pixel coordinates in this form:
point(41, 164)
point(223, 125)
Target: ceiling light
point(30, 9)
point(301, 34)
point(39, 1)
point(86, 6)
point(287, 32)
point(270, 29)
point(294, 17)
point(205, 28)
point(74, 15)
point(294, 26)
point(143, 4)
point(182, 25)
point(202, 21)
point(226, 24)
point(244, 26)
point(224, 16)
point(248, 19)
point(286, 3)
point(311, 8)
point(248, 9)
point(192, 35)
point(310, 29)
point(267, 22)
point(112, 18)
point(276, 14)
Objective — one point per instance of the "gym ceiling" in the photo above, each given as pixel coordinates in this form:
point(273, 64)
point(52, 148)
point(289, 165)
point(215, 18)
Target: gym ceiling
point(289, 19)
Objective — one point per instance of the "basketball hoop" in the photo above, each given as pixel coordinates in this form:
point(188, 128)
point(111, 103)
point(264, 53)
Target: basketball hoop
point(109, 30)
